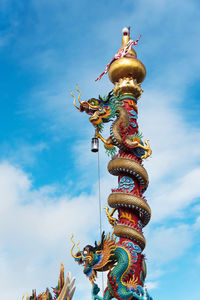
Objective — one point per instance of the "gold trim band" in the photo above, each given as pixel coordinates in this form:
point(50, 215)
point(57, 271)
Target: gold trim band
point(133, 202)
point(118, 165)
point(130, 233)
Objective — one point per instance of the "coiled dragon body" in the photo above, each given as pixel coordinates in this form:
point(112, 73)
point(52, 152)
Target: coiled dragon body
point(123, 259)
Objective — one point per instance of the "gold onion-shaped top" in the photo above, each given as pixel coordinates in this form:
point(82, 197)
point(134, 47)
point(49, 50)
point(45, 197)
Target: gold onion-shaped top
point(128, 66)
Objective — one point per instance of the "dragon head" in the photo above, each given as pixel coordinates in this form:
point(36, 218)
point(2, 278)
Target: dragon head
point(95, 258)
point(100, 110)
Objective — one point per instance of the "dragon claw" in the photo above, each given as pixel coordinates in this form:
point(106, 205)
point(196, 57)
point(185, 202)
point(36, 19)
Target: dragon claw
point(95, 291)
point(147, 149)
point(111, 220)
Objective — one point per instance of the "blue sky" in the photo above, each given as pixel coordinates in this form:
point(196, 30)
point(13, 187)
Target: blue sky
point(48, 176)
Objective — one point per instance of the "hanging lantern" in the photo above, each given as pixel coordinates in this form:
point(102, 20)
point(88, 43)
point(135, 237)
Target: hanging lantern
point(95, 145)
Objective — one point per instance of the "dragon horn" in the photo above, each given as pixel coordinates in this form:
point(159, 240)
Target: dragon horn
point(74, 256)
point(78, 246)
point(79, 93)
point(110, 94)
point(102, 239)
point(74, 100)
point(100, 98)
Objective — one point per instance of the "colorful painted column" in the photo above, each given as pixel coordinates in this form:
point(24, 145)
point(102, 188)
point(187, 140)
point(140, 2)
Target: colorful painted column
point(121, 252)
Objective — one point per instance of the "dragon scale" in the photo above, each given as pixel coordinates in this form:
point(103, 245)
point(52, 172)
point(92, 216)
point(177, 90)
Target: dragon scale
point(129, 211)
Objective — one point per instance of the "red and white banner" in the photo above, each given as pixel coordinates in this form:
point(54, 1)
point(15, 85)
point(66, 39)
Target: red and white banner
point(123, 52)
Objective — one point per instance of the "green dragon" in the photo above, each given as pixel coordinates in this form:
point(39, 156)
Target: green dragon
point(119, 259)
point(124, 132)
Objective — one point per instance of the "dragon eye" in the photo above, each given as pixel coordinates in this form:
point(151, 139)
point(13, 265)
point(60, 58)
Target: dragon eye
point(85, 252)
point(93, 101)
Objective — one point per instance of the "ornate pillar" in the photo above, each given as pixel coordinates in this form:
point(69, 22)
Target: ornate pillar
point(130, 211)
point(127, 74)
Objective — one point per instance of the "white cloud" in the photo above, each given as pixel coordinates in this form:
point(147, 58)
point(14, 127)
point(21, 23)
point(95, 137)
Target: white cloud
point(173, 197)
point(35, 230)
point(155, 273)
point(151, 285)
point(167, 243)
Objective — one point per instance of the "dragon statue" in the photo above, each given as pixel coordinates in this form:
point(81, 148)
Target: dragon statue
point(120, 260)
point(121, 255)
point(122, 135)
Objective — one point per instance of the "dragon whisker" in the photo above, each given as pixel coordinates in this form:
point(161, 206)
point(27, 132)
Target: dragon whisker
point(88, 257)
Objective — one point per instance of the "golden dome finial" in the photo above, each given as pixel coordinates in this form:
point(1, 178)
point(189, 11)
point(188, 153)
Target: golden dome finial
point(127, 65)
